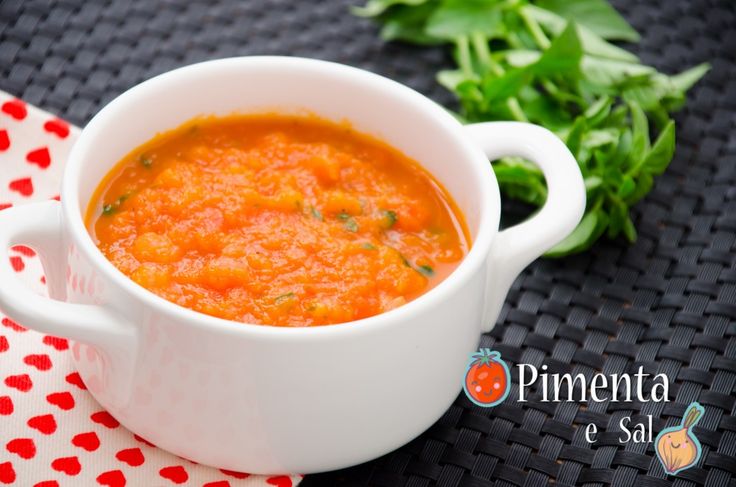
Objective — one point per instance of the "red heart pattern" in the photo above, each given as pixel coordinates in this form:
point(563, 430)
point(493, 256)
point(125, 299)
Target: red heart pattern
point(64, 400)
point(23, 186)
point(47, 483)
point(23, 447)
point(41, 361)
point(23, 249)
point(113, 478)
point(40, 157)
point(17, 263)
point(13, 325)
point(237, 475)
point(280, 481)
point(89, 441)
point(4, 140)
point(176, 474)
point(6, 406)
point(76, 379)
point(132, 456)
point(104, 418)
point(22, 382)
point(144, 441)
point(30, 138)
point(7, 473)
point(51, 432)
point(68, 465)
point(15, 108)
point(45, 423)
point(60, 344)
point(57, 126)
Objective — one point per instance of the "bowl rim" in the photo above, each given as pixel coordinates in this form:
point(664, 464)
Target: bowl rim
point(476, 257)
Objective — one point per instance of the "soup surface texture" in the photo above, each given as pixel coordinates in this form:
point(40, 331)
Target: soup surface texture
point(277, 220)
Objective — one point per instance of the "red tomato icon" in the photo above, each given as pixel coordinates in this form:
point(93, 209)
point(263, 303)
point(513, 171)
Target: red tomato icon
point(487, 381)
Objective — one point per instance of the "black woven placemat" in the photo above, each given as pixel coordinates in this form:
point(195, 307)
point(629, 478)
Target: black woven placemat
point(667, 303)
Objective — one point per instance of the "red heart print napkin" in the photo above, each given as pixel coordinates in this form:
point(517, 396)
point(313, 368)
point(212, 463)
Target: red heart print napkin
point(52, 432)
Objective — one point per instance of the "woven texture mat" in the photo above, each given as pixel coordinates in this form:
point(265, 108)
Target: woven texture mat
point(667, 303)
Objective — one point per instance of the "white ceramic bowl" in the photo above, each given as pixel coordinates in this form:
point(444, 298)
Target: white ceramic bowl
point(266, 399)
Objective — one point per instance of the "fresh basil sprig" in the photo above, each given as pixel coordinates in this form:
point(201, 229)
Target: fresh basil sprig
point(550, 62)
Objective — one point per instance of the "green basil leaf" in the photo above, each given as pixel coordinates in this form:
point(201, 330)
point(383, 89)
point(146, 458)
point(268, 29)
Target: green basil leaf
point(685, 80)
point(471, 98)
point(452, 78)
point(544, 110)
point(592, 182)
point(520, 58)
point(613, 175)
point(597, 15)
point(505, 86)
point(627, 187)
point(425, 270)
point(563, 55)
point(592, 43)
point(284, 298)
point(619, 117)
point(618, 214)
point(662, 151)
point(622, 149)
point(629, 230)
point(610, 73)
point(527, 192)
point(574, 138)
point(596, 46)
point(145, 161)
point(390, 218)
point(658, 90)
point(597, 138)
point(316, 214)
point(351, 225)
point(405, 23)
point(510, 174)
point(456, 18)
point(659, 116)
point(592, 185)
point(647, 95)
point(520, 180)
point(598, 111)
point(644, 183)
point(377, 7)
point(587, 231)
point(551, 63)
point(640, 134)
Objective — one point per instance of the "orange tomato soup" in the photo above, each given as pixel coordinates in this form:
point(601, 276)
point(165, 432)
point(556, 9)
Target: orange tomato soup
point(277, 220)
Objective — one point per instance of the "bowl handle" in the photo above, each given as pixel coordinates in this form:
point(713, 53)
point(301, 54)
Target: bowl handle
point(515, 247)
point(38, 225)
